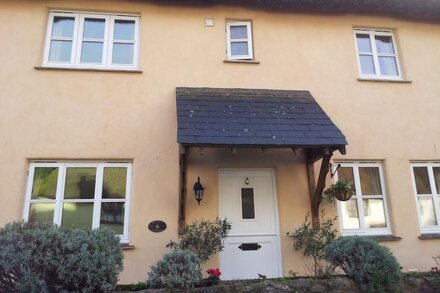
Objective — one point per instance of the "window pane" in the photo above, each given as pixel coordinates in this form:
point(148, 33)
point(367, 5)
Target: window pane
point(124, 30)
point(41, 212)
point(422, 180)
point(388, 66)
point(437, 178)
point(63, 26)
point(363, 42)
point(346, 174)
point(247, 203)
point(94, 28)
point(384, 44)
point(77, 215)
point(350, 217)
point(114, 185)
point(122, 53)
point(80, 183)
point(60, 51)
point(374, 212)
point(92, 52)
point(45, 181)
point(427, 211)
point(367, 64)
point(238, 32)
point(370, 181)
point(239, 48)
point(112, 216)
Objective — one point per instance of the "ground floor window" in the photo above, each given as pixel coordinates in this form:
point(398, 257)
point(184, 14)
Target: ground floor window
point(366, 212)
point(80, 194)
point(426, 178)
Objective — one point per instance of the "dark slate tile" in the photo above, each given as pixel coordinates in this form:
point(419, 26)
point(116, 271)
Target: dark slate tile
point(339, 141)
point(184, 132)
point(205, 139)
point(186, 139)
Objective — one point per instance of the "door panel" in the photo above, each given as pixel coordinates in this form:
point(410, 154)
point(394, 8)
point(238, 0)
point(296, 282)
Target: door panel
point(247, 264)
point(254, 199)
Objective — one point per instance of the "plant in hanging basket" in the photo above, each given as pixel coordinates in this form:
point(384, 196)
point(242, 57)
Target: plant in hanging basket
point(341, 190)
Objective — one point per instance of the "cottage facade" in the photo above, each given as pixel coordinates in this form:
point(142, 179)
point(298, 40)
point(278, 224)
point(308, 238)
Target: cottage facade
point(112, 110)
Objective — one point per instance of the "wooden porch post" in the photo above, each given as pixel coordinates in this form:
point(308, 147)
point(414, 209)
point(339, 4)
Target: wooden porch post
point(316, 188)
point(182, 187)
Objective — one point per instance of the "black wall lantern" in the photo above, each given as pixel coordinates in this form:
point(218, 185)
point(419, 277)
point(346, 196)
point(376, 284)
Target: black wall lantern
point(198, 190)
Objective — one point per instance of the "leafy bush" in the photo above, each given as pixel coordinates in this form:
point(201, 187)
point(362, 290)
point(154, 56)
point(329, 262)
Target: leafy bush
point(312, 242)
point(40, 257)
point(177, 269)
point(372, 266)
point(203, 237)
point(434, 277)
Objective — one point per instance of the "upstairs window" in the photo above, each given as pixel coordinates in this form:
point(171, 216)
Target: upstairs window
point(239, 40)
point(366, 212)
point(426, 178)
point(76, 194)
point(87, 40)
point(377, 54)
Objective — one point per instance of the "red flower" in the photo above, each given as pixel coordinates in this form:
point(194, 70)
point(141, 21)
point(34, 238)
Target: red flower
point(214, 272)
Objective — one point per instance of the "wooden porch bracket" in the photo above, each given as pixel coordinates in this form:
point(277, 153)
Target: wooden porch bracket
point(316, 188)
point(182, 186)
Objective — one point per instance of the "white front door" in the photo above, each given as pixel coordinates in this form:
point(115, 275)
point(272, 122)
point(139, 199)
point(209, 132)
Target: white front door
point(248, 201)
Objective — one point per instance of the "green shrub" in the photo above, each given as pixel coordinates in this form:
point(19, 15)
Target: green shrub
point(41, 257)
point(312, 243)
point(203, 237)
point(372, 266)
point(177, 269)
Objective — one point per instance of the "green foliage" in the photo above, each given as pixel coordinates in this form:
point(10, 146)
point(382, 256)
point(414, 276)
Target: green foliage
point(372, 266)
point(177, 269)
point(203, 237)
point(312, 242)
point(434, 276)
point(40, 257)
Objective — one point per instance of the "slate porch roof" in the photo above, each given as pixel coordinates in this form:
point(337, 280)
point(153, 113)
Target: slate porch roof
point(253, 117)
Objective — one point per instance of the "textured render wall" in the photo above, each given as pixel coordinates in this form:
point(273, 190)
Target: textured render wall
point(96, 115)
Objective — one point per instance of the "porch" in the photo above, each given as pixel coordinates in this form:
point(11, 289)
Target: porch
point(256, 152)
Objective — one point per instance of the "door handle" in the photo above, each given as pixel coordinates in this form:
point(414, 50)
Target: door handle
point(249, 246)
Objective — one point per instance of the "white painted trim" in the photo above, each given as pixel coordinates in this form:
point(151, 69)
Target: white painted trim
point(435, 194)
point(372, 33)
point(97, 200)
point(359, 201)
point(248, 40)
point(77, 41)
point(266, 171)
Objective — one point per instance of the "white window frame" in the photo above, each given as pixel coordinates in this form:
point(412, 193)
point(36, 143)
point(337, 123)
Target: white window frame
point(363, 230)
point(97, 200)
point(372, 33)
point(77, 41)
point(435, 195)
point(248, 25)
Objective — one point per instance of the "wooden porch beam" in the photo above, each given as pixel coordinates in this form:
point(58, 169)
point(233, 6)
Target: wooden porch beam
point(182, 187)
point(317, 187)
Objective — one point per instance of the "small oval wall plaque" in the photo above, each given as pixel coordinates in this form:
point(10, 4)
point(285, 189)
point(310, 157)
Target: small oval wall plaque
point(157, 226)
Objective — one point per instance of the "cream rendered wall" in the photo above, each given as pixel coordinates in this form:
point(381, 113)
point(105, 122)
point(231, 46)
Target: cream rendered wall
point(61, 114)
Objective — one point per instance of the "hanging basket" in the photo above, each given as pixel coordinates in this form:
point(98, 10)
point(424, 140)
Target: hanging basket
point(341, 190)
point(343, 195)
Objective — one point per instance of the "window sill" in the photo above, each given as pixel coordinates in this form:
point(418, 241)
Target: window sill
point(126, 246)
point(384, 80)
point(241, 61)
point(429, 236)
point(380, 238)
point(88, 69)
